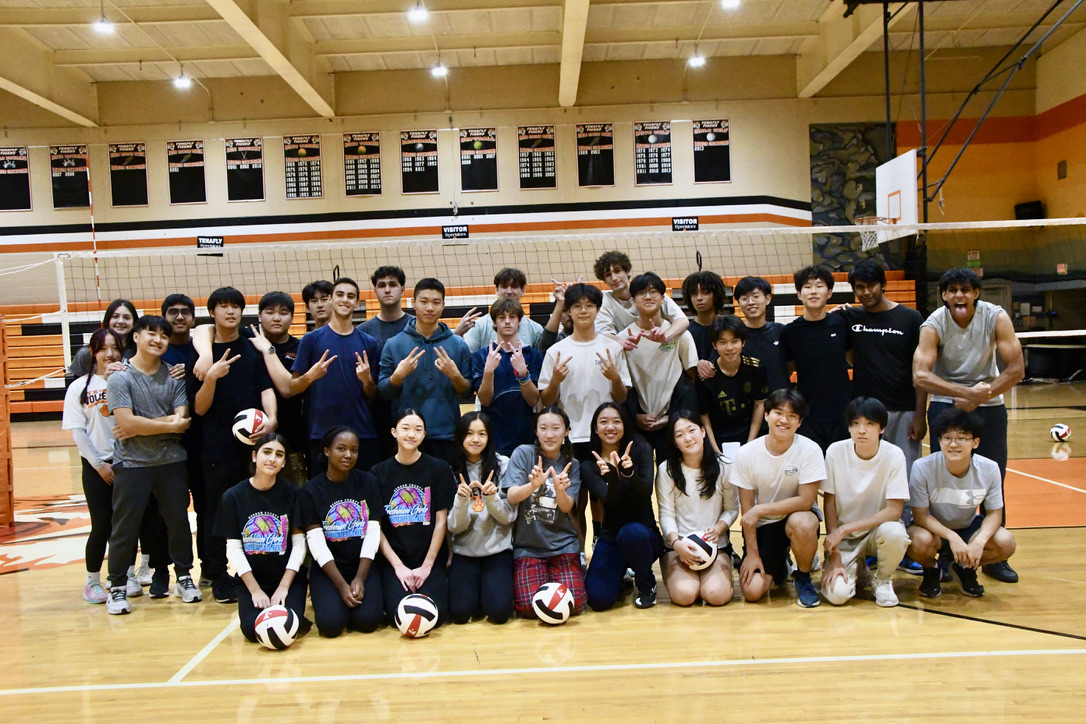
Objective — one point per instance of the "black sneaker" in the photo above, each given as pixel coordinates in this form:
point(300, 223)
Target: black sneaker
point(646, 599)
point(967, 581)
point(944, 568)
point(223, 590)
point(931, 587)
point(160, 585)
point(1001, 571)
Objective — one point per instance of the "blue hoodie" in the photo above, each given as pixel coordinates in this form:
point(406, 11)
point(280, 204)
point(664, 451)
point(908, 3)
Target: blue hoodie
point(427, 389)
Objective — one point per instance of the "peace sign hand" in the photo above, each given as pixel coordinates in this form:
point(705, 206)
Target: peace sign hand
point(561, 480)
point(445, 364)
point(561, 369)
point(608, 367)
point(489, 488)
point(320, 367)
point(625, 462)
point(467, 322)
point(362, 368)
point(604, 465)
point(538, 476)
point(520, 367)
point(656, 334)
point(631, 341)
point(493, 358)
point(406, 366)
point(222, 368)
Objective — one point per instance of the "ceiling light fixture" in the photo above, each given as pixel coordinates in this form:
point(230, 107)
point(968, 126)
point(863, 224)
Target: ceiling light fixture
point(439, 70)
point(730, 4)
point(103, 25)
point(696, 60)
point(418, 13)
point(182, 81)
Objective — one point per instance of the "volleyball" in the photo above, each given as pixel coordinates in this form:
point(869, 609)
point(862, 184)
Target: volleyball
point(276, 627)
point(553, 603)
point(416, 615)
point(245, 422)
point(1060, 432)
point(706, 552)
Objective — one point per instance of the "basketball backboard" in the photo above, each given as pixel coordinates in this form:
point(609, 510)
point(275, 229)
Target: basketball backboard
point(896, 192)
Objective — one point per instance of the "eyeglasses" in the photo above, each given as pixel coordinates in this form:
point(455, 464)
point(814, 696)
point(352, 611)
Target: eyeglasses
point(955, 440)
point(178, 313)
point(650, 292)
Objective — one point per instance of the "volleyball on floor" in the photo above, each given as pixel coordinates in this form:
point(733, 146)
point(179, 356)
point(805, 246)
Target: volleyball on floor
point(553, 603)
point(706, 552)
point(276, 627)
point(1060, 432)
point(416, 615)
point(245, 422)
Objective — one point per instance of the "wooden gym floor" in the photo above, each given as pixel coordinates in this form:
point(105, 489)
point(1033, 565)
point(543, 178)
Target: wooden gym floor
point(1018, 653)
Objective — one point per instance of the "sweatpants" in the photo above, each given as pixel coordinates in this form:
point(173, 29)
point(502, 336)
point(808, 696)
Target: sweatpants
point(637, 547)
point(132, 490)
point(99, 495)
point(436, 587)
point(247, 612)
point(993, 443)
point(897, 433)
point(887, 542)
point(219, 476)
point(531, 573)
point(332, 615)
point(481, 585)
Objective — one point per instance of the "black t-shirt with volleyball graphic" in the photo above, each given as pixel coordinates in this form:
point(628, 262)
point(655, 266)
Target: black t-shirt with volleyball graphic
point(342, 510)
point(263, 520)
point(412, 495)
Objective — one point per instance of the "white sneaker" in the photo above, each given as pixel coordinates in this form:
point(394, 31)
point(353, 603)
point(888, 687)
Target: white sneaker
point(94, 593)
point(117, 603)
point(133, 588)
point(186, 590)
point(144, 575)
point(884, 592)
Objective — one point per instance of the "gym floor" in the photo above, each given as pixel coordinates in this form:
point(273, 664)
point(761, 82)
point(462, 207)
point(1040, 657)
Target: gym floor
point(1018, 652)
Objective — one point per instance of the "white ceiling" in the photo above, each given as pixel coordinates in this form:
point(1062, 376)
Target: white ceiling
point(303, 40)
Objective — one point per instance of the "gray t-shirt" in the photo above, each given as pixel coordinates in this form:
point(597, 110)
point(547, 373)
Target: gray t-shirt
point(951, 500)
point(541, 530)
point(149, 396)
point(966, 356)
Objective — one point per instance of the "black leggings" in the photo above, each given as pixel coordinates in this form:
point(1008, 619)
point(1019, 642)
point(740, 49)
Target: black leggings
point(99, 496)
point(332, 615)
point(481, 585)
point(247, 612)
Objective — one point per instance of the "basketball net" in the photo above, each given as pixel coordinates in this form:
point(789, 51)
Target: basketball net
point(870, 237)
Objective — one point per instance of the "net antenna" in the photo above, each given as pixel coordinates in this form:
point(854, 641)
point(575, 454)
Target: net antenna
point(697, 259)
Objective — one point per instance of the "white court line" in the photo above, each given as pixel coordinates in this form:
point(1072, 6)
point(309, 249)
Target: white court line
point(195, 660)
point(1046, 480)
point(727, 663)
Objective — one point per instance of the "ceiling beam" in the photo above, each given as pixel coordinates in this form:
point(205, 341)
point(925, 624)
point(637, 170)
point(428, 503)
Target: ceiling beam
point(152, 15)
point(135, 56)
point(840, 41)
point(29, 72)
point(266, 26)
point(341, 8)
point(574, 23)
point(367, 46)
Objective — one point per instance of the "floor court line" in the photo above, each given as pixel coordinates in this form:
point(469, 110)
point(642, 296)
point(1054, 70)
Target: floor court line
point(1046, 480)
point(977, 619)
point(726, 663)
point(195, 660)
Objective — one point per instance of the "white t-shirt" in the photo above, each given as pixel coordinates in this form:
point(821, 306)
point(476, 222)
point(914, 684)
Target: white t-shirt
point(777, 477)
point(655, 368)
point(862, 487)
point(615, 314)
point(585, 387)
point(95, 417)
point(687, 512)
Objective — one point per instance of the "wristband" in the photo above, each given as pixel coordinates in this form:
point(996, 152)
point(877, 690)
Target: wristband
point(523, 380)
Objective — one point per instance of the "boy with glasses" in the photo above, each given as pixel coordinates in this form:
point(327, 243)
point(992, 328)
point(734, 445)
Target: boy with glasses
point(945, 490)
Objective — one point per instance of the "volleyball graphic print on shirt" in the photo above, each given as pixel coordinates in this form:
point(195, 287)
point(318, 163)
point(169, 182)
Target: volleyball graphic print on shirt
point(345, 519)
point(409, 504)
point(265, 533)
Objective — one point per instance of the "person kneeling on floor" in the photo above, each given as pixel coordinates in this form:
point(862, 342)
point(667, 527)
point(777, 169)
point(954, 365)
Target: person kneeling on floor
point(865, 490)
point(946, 489)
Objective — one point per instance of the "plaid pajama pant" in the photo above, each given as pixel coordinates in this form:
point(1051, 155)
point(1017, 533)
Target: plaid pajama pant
point(531, 573)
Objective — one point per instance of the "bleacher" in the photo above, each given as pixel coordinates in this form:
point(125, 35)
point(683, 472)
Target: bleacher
point(35, 343)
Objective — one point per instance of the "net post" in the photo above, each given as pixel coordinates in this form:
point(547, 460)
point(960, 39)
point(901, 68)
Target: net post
point(62, 294)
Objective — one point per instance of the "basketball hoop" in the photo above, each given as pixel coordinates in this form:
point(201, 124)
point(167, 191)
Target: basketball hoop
point(870, 237)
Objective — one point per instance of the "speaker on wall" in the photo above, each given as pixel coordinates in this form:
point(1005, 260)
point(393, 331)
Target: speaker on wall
point(1029, 210)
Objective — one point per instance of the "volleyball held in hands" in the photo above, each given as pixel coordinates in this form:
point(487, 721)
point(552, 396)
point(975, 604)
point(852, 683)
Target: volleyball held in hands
point(706, 552)
point(245, 422)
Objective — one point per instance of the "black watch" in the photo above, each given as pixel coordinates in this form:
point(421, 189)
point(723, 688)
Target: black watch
point(270, 349)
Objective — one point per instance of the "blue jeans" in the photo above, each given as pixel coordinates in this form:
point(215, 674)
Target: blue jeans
point(636, 546)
